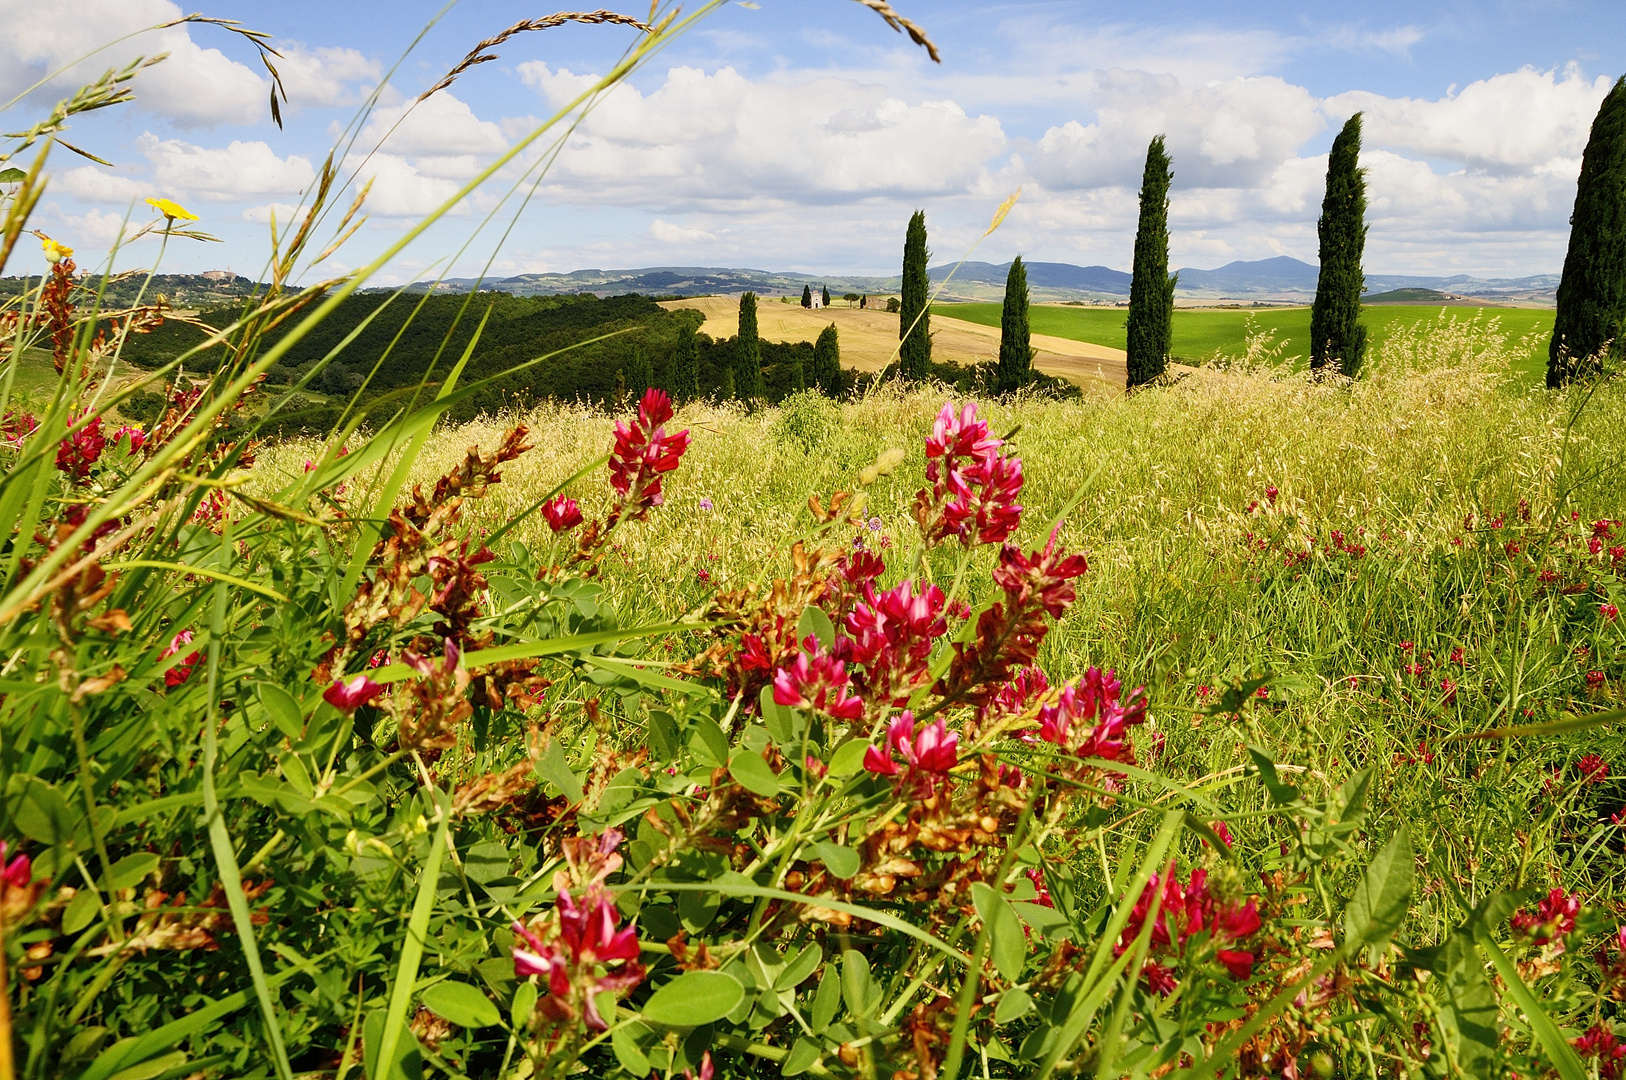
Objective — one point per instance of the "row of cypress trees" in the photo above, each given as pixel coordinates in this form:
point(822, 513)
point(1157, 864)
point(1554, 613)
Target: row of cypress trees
point(1590, 323)
point(742, 380)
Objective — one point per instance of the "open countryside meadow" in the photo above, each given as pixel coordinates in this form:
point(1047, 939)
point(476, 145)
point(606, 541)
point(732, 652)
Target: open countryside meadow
point(419, 661)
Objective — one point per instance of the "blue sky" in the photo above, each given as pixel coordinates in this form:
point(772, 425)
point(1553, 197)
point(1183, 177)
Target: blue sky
point(800, 134)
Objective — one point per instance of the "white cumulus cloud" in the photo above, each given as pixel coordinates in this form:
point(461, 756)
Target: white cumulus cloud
point(196, 86)
point(709, 139)
point(237, 171)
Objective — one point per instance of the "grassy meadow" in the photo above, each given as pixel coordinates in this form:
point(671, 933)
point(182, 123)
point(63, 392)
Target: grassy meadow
point(1221, 519)
point(1203, 333)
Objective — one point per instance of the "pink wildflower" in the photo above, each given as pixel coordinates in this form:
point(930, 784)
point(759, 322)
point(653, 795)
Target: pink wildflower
point(561, 514)
point(816, 680)
point(350, 696)
point(643, 451)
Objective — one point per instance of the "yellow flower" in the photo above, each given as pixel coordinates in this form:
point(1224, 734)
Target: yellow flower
point(54, 252)
point(172, 211)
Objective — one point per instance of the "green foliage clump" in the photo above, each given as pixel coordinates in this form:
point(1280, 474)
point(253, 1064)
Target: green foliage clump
point(1591, 318)
point(1014, 368)
point(1151, 289)
point(1337, 335)
point(806, 420)
point(914, 321)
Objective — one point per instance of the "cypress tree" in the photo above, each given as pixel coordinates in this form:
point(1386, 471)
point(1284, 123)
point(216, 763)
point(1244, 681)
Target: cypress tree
point(1592, 294)
point(827, 361)
point(1015, 365)
point(825, 289)
point(748, 352)
point(807, 296)
point(639, 376)
point(686, 366)
point(1336, 333)
point(1151, 290)
point(915, 354)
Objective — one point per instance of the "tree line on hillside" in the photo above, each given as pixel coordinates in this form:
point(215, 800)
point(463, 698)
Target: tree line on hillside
point(1589, 327)
point(604, 351)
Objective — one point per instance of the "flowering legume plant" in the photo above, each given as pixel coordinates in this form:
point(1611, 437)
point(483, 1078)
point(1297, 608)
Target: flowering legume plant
point(321, 777)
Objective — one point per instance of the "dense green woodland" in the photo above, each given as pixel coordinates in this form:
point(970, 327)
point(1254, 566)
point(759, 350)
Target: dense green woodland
point(606, 348)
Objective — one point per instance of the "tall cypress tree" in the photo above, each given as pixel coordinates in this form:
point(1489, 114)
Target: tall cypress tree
point(1015, 365)
point(748, 352)
point(807, 296)
point(1151, 289)
point(1336, 333)
point(915, 354)
point(827, 361)
point(1592, 294)
point(686, 366)
point(825, 298)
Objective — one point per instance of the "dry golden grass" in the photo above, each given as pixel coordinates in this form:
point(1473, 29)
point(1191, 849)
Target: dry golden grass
point(868, 337)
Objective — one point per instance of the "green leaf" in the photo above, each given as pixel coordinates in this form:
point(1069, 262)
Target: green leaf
point(694, 998)
point(462, 1004)
point(1281, 794)
point(709, 742)
point(553, 768)
point(128, 871)
point(81, 911)
point(780, 720)
point(39, 811)
point(827, 1002)
point(803, 1055)
point(1006, 943)
point(1375, 912)
point(1468, 1008)
point(797, 971)
point(12, 176)
point(697, 909)
point(857, 987)
point(406, 1057)
point(284, 711)
point(519, 1011)
point(841, 861)
point(752, 773)
point(628, 1053)
point(848, 758)
point(486, 862)
point(814, 621)
point(1013, 1005)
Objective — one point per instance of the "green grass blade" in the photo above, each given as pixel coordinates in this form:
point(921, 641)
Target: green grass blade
point(220, 841)
point(406, 972)
point(1560, 1054)
point(116, 1059)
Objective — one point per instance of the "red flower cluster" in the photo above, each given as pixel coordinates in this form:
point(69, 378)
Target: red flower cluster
point(562, 514)
point(1600, 1042)
point(18, 873)
point(16, 427)
point(890, 635)
point(1609, 612)
point(81, 449)
point(1188, 911)
point(1009, 632)
point(816, 680)
point(1013, 698)
point(1036, 876)
point(352, 695)
point(574, 953)
point(929, 754)
point(1594, 769)
point(974, 484)
point(137, 437)
point(642, 452)
point(181, 672)
point(1096, 700)
point(1553, 918)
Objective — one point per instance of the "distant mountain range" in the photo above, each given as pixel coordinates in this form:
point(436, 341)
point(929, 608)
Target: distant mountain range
point(1282, 279)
